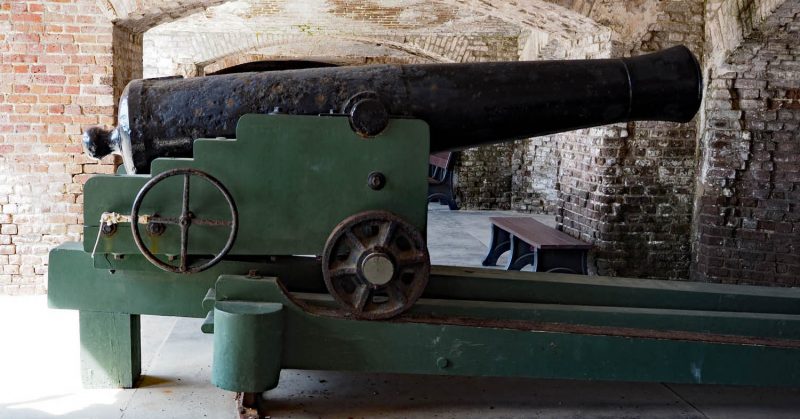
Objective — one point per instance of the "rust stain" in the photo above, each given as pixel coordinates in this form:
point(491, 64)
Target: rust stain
point(319, 99)
point(535, 326)
point(627, 332)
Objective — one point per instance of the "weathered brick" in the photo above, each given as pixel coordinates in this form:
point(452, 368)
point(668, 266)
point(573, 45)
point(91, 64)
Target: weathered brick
point(758, 189)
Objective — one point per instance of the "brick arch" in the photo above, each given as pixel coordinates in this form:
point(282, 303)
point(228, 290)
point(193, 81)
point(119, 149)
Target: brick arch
point(730, 23)
point(556, 28)
point(553, 27)
point(557, 17)
point(108, 8)
point(140, 15)
point(551, 16)
point(216, 50)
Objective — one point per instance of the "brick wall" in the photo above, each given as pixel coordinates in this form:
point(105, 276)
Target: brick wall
point(127, 62)
point(55, 79)
point(627, 189)
point(647, 233)
point(536, 162)
point(748, 221)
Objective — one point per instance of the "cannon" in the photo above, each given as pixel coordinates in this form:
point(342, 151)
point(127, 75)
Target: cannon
point(463, 104)
point(289, 210)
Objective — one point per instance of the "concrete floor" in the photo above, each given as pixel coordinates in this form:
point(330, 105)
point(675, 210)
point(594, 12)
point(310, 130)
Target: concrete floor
point(40, 376)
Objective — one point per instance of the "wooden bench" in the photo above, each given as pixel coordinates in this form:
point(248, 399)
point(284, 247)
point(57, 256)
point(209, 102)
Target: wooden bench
point(533, 243)
point(440, 179)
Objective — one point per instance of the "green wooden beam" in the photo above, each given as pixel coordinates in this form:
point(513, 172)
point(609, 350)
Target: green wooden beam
point(111, 355)
point(313, 341)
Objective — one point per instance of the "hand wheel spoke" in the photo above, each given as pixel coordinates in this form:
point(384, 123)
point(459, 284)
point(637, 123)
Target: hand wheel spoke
point(214, 223)
point(163, 220)
point(184, 246)
point(185, 222)
point(185, 205)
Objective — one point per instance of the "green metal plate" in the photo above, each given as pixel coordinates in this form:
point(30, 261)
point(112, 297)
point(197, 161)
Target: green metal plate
point(135, 286)
point(293, 178)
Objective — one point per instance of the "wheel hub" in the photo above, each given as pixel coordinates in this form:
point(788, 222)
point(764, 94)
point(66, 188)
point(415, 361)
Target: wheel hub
point(377, 268)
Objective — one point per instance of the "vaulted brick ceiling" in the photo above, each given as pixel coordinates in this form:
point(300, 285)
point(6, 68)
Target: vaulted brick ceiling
point(558, 21)
point(554, 16)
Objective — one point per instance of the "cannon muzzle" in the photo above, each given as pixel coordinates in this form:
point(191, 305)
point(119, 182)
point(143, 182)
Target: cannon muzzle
point(464, 104)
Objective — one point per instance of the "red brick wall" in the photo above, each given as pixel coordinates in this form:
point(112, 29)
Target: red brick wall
point(55, 80)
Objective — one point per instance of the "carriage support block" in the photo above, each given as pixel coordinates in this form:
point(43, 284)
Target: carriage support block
point(247, 346)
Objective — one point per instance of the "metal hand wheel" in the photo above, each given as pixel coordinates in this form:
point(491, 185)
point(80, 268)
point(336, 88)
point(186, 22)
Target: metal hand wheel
point(184, 221)
point(375, 265)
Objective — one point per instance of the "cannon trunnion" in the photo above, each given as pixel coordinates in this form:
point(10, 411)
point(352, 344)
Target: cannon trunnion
point(296, 234)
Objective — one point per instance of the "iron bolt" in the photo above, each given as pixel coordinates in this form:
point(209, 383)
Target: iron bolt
point(376, 181)
point(155, 229)
point(108, 229)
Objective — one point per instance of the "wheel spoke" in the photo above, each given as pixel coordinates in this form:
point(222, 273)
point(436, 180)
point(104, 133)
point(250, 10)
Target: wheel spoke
point(416, 259)
point(387, 234)
point(354, 241)
point(346, 271)
point(396, 295)
point(360, 297)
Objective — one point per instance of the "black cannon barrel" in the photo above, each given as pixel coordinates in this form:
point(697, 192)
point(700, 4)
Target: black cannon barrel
point(464, 104)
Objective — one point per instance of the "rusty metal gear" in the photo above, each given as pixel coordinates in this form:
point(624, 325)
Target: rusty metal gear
point(375, 265)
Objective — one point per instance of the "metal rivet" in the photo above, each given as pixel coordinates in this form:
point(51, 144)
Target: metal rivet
point(442, 363)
